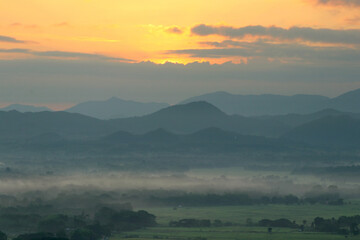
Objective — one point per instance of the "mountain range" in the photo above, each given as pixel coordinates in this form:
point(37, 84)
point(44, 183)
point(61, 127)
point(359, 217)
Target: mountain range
point(268, 104)
point(24, 108)
point(115, 108)
point(327, 127)
point(16, 125)
point(194, 116)
point(334, 131)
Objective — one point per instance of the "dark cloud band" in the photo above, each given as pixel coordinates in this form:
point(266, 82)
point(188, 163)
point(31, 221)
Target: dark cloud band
point(231, 48)
point(340, 2)
point(294, 33)
point(10, 39)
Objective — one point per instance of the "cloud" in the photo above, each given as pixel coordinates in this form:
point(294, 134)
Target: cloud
point(64, 54)
point(10, 39)
point(17, 24)
point(340, 2)
point(62, 24)
point(324, 35)
point(175, 30)
point(353, 20)
point(15, 50)
point(231, 48)
point(225, 43)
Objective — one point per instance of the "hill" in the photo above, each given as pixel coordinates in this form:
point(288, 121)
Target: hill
point(269, 104)
point(336, 131)
point(115, 108)
point(192, 117)
point(14, 124)
point(294, 120)
point(348, 102)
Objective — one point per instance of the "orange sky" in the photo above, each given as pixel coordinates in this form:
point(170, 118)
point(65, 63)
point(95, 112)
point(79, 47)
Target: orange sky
point(137, 29)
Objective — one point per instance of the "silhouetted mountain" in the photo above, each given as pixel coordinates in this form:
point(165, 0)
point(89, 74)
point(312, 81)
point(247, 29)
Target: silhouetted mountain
point(159, 135)
point(14, 124)
point(192, 117)
point(328, 131)
point(294, 120)
point(267, 104)
point(348, 102)
point(24, 108)
point(115, 108)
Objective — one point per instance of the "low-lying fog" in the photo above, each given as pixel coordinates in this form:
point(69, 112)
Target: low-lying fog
point(205, 180)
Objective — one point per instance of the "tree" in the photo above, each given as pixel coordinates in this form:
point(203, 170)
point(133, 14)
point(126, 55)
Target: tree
point(83, 234)
point(354, 229)
point(3, 236)
point(53, 224)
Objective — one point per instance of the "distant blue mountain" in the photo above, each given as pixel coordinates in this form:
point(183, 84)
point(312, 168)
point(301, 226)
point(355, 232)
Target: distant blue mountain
point(24, 108)
point(347, 102)
point(116, 108)
point(192, 117)
point(268, 104)
point(336, 131)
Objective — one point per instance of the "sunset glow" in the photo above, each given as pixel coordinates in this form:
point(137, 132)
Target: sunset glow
point(144, 30)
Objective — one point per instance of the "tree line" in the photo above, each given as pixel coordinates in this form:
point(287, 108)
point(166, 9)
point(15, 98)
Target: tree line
point(236, 199)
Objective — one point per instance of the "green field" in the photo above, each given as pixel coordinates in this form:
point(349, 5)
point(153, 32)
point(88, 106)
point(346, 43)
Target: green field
point(238, 216)
point(226, 233)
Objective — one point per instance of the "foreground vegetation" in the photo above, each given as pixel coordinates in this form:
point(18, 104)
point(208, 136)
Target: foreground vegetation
point(240, 214)
point(243, 221)
point(295, 220)
point(227, 233)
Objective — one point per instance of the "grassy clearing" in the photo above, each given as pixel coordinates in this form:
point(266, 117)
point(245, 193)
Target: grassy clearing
point(238, 215)
point(226, 233)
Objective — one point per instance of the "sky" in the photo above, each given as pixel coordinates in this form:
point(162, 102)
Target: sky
point(61, 52)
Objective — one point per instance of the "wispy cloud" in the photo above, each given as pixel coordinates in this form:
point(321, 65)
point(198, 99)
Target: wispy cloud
point(17, 24)
point(294, 33)
point(353, 20)
point(175, 30)
point(64, 54)
point(62, 24)
point(10, 39)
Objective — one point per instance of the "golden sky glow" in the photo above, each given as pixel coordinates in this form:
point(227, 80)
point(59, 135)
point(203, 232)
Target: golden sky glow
point(138, 29)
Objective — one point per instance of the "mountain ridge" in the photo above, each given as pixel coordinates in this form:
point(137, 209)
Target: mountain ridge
point(24, 108)
point(115, 108)
point(272, 104)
